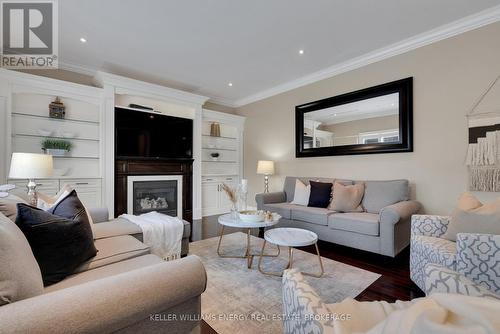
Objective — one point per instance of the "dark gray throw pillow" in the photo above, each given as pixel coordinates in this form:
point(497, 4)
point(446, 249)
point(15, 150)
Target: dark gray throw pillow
point(61, 240)
point(321, 194)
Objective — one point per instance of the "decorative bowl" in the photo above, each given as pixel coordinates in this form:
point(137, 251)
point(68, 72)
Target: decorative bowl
point(251, 216)
point(60, 171)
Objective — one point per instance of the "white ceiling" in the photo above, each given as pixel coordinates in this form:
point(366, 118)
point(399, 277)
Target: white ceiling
point(202, 45)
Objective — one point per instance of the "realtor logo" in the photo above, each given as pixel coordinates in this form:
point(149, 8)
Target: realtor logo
point(29, 34)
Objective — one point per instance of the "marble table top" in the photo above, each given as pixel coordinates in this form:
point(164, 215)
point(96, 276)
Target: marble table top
point(291, 237)
point(226, 220)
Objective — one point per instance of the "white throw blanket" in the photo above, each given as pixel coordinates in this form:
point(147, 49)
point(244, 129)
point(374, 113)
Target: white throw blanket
point(162, 233)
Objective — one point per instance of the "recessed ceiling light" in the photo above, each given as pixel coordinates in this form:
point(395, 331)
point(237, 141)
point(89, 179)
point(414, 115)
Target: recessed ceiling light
point(230, 84)
point(301, 52)
point(83, 40)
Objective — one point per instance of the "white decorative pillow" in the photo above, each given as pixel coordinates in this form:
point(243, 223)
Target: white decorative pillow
point(46, 202)
point(302, 192)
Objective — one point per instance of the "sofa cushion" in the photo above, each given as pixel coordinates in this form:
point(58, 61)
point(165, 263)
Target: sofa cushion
point(321, 194)
point(472, 216)
point(301, 194)
point(347, 198)
point(283, 209)
point(116, 227)
point(106, 271)
point(8, 206)
point(289, 186)
point(61, 241)
point(20, 275)
point(318, 216)
point(379, 194)
point(358, 222)
point(114, 249)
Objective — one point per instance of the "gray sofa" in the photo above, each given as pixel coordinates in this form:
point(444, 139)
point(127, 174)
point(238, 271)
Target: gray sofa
point(383, 228)
point(123, 288)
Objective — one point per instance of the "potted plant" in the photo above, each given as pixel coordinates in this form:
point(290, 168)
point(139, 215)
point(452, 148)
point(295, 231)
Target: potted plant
point(56, 147)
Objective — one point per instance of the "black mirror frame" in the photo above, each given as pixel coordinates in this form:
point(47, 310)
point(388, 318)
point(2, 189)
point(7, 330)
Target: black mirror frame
point(405, 89)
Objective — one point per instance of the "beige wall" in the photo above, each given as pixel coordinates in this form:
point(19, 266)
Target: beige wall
point(448, 78)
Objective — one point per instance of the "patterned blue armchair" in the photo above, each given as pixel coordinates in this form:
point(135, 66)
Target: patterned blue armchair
point(471, 265)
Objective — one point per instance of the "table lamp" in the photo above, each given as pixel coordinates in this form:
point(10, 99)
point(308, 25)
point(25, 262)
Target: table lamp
point(31, 166)
point(266, 168)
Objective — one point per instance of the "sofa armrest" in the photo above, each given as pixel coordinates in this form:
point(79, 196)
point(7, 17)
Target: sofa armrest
point(302, 307)
point(99, 215)
point(268, 198)
point(109, 304)
point(439, 279)
point(392, 214)
point(429, 225)
point(478, 259)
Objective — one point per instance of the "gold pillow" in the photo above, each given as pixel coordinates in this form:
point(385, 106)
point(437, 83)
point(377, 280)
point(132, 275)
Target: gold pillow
point(471, 216)
point(347, 198)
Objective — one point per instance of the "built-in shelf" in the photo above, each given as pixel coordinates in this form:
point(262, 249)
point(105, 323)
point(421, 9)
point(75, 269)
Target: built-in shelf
point(209, 136)
point(226, 162)
point(72, 157)
point(56, 137)
point(219, 149)
point(56, 119)
point(218, 175)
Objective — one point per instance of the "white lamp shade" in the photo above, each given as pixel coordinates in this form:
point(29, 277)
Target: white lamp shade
point(30, 166)
point(265, 167)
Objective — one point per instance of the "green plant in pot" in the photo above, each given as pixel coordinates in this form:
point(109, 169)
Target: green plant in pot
point(56, 147)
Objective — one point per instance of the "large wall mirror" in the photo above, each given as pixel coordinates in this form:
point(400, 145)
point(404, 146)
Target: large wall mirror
point(372, 120)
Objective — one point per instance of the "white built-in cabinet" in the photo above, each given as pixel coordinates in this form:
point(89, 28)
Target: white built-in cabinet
point(25, 110)
point(227, 167)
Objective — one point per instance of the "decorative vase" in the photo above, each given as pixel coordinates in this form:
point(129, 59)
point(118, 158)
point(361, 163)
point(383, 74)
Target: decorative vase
point(234, 211)
point(215, 130)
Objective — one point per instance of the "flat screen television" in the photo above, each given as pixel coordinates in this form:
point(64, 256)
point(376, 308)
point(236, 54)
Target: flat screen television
point(145, 134)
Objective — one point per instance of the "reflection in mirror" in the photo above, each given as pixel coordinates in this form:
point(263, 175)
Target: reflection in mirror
point(369, 121)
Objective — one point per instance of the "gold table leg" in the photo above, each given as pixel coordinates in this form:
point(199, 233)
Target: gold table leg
point(248, 255)
point(290, 263)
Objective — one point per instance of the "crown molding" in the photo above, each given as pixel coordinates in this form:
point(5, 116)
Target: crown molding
point(80, 69)
point(457, 27)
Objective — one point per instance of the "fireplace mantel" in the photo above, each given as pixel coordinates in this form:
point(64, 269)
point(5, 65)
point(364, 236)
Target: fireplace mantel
point(143, 167)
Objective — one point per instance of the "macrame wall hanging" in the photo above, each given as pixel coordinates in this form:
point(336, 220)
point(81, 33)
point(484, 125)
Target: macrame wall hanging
point(483, 153)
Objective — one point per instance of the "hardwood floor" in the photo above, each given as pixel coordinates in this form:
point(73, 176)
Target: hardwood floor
point(394, 283)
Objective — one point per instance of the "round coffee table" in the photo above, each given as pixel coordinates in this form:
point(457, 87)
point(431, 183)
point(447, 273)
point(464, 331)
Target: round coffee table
point(228, 220)
point(291, 237)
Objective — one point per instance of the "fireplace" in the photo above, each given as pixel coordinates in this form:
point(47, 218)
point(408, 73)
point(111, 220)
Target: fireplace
point(154, 170)
point(161, 193)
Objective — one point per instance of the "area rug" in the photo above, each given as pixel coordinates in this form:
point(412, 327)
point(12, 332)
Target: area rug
point(242, 300)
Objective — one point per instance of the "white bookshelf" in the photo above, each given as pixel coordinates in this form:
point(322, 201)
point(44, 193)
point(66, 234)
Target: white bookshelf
point(27, 118)
point(228, 167)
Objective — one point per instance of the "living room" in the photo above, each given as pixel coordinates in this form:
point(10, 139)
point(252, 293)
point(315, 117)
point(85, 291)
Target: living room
point(251, 167)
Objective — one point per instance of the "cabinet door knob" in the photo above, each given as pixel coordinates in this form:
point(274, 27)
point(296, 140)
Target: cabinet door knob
point(82, 183)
